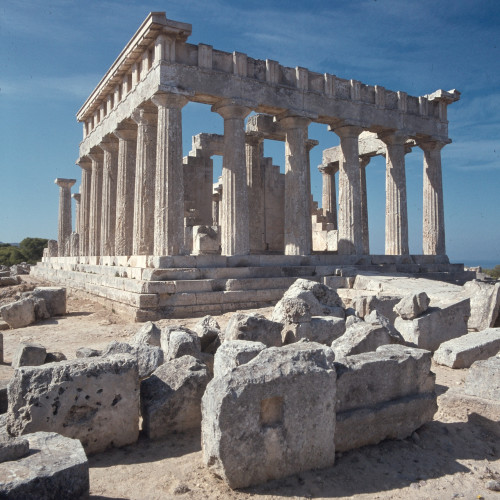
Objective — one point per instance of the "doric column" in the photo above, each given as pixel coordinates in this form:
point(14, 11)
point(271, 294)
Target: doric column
point(64, 221)
point(297, 230)
point(365, 234)
point(77, 197)
point(215, 208)
point(433, 209)
point(396, 214)
point(86, 165)
point(350, 224)
point(329, 194)
point(125, 182)
point(235, 235)
point(169, 187)
point(144, 202)
point(95, 203)
point(255, 182)
point(108, 218)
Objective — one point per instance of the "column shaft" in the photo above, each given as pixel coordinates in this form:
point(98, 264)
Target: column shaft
point(108, 218)
point(125, 190)
point(95, 204)
point(329, 193)
point(77, 198)
point(365, 234)
point(85, 187)
point(255, 181)
point(144, 203)
point(169, 187)
point(64, 219)
point(433, 206)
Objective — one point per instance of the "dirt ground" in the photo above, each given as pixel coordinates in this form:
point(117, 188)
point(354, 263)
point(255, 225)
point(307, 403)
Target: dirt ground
point(454, 456)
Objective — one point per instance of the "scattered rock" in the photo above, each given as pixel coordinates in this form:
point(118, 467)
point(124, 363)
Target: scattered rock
point(149, 334)
point(483, 379)
point(87, 352)
point(233, 353)
point(208, 330)
point(13, 448)
point(179, 341)
point(412, 305)
point(255, 328)
point(55, 298)
point(54, 357)
point(29, 355)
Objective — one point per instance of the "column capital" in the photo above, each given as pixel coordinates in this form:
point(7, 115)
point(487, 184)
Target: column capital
point(254, 138)
point(147, 116)
point(77, 197)
point(432, 145)
point(126, 132)
point(346, 131)
point(292, 118)
point(234, 108)
point(109, 145)
point(171, 97)
point(364, 160)
point(393, 138)
point(65, 183)
point(311, 143)
point(97, 157)
point(84, 162)
point(329, 169)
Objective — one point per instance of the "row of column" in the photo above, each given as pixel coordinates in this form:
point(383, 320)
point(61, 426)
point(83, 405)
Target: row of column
point(353, 208)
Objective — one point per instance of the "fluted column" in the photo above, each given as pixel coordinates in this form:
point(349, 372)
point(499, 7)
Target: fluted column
point(365, 234)
point(433, 207)
point(86, 165)
point(235, 234)
point(329, 192)
point(255, 182)
point(169, 187)
point(144, 202)
point(350, 224)
point(125, 183)
point(396, 214)
point(64, 219)
point(77, 197)
point(297, 230)
point(109, 176)
point(95, 203)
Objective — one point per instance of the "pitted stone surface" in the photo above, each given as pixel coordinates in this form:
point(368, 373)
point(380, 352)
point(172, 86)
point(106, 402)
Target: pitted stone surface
point(483, 379)
point(412, 305)
point(149, 333)
point(253, 327)
point(179, 341)
point(29, 355)
point(95, 400)
point(208, 330)
point(233, 353)
point(55, 298)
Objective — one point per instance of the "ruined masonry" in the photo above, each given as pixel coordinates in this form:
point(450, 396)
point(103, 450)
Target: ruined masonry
point(155, 236)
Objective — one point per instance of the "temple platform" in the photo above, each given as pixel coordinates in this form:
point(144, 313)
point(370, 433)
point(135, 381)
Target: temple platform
point(150, 288)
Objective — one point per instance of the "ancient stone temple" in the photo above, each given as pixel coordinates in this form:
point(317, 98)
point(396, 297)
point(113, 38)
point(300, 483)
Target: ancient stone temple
point(157, 236)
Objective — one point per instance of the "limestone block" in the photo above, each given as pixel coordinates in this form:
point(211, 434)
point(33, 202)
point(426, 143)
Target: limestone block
point(376, 317)
point(52, 248)
point(463, 351)
point(483, 379)
point(56, 467)
point(292, 310)
point(207, 330)
point(29, 354)
point(321, 329)
point(206, 240)
point(484, 304)
point(19, 269)
point(4, 401)
point(20, 313)
point(149, 334)
point(362, 337)
point(384, 304)
point(95, 400)
point(412, 305)
point(233, 353)
point(54, 357)
point(436, 325)
point(13, 448)
point(171, 397)
point(253, 327)
point(351, 320)
point(55, 298)
point(87, 352)
point(10, 280)
point(321, 298)
point(270, 401)
point(177, 341)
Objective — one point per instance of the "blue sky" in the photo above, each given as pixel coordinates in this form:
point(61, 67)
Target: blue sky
point(54, 52)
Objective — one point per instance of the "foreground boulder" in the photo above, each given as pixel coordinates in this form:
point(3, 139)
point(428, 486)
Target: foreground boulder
point(208, 331)
point(171, 397)
point(148, 334)
point(20, 313)
point(465, 350)
point(255, 328)
point(233, 353)
point(483, 379)
point(29, 355)
point(271, 417)
point(95, 400)
point(55, 468)
point(436, 325)
point(412, 305)
point(54, 297)
point(386, 394)
point(484, 304)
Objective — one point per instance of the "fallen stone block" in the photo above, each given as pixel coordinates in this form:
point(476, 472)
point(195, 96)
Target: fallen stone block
point(13, 448)
point(363, 337)
point(483, 379)
point(95, 400)
point(351, 320)
point(55, 298)
point(463, 351)
point(291, 310)
point(178, 341)
point(270, 401)
point(412, 305)
point(255, 328)
point(233, 353)
point(171, 397)
point(29, 355)
point(10, 280)
point(149, 334)
point(54, 357)
point(484, 304)
point(56, 467)
point(20, 313)
point(384, 304)
point(208, 330)
point(321, 329)
point(87, 352)
point(375, 317)
point(384, 394)
point(19, 269)
point(436, 325)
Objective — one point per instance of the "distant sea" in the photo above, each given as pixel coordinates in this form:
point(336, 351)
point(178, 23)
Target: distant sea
point(485, 264)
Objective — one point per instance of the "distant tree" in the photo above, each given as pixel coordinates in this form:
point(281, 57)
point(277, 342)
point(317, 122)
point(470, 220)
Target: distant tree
point(10, 255)
point(494, 273)
point(32, 248)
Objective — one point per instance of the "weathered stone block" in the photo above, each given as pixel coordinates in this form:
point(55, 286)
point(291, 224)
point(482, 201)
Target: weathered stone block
point(29, 355)
point(10, 280)
point(13, 448)
point(484, 304)
point(365, 305)
point(412, 305)
point(483, 379)
point(207, 330)
point(95, 400)
point(270, 401)
point(177, 341)
point(55, 299)
point(463, 351)
point(233, 353)
point(436, 325)
point(87, 352)
point(325, 329)
point(20, 313)
point(171, 397)
point(149, 333)
point(255, 328)
point(54, 357)
point(56, 467)
point(291, 310)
